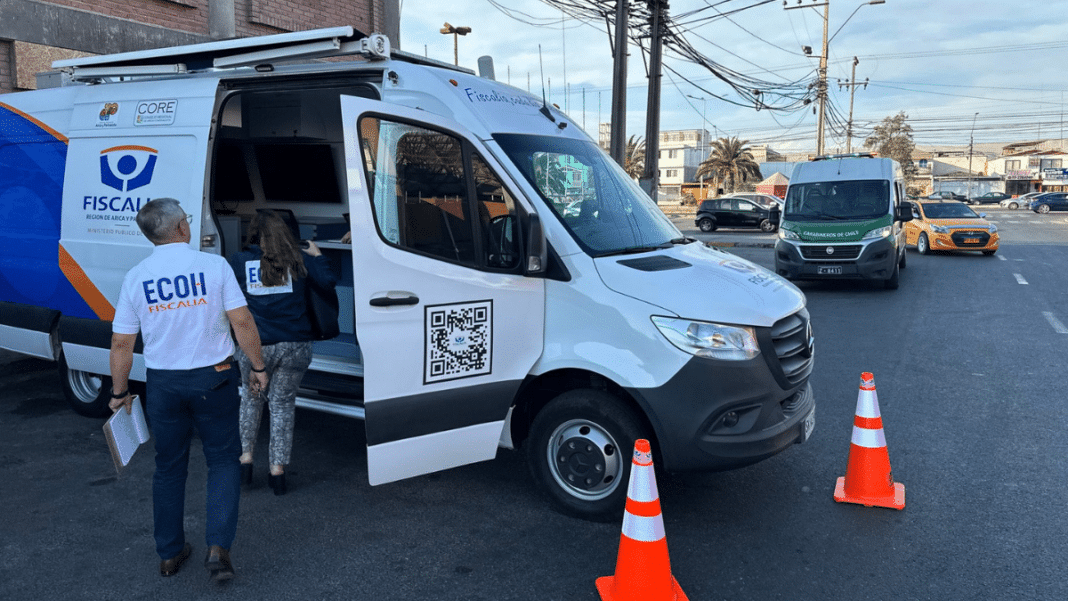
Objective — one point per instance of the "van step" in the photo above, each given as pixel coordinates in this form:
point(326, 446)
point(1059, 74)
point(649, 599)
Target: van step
point(342, 387)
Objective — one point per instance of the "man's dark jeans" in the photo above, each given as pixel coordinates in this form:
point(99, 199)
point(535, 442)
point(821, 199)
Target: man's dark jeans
point(178, 401)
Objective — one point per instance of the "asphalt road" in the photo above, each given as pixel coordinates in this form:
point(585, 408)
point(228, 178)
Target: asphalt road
point(969, 369)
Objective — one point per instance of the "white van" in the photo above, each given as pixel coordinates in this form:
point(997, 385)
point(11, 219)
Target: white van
point(507, 284)
point(843, 219)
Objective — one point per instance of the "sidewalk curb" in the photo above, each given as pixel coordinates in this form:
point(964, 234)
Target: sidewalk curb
point(740, 244)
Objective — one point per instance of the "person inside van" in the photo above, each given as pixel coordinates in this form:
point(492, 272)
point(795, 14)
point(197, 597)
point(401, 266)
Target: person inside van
point(273, 273)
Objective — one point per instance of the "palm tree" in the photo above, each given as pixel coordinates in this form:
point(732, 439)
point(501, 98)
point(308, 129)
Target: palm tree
point(634, 157)
point(730, 162)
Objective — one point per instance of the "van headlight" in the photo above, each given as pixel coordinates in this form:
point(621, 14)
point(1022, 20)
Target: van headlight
point(882, 232)
point(709, 340)
point(788, 234)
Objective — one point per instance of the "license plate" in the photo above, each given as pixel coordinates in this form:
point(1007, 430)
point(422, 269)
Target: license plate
point(810, 424)
point(971, 240)
point(829, 270)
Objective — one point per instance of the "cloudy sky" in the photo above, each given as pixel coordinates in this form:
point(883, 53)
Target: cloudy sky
point(939, 61)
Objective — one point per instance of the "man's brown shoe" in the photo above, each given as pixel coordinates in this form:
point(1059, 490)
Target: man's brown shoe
point(218, 564)
point(170, 567)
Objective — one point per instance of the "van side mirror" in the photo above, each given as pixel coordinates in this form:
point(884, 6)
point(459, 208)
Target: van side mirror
point(904, 211)
point(537, 251)
point(774, 215)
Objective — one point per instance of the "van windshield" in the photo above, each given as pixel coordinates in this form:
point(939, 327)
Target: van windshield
point(837, 201)
point(603, 208)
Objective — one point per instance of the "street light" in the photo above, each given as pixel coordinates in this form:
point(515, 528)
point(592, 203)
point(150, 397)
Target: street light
point(821, 91)
point(455, 31)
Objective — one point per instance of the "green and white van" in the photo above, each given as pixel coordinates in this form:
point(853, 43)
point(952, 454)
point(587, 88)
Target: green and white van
point(843, 219)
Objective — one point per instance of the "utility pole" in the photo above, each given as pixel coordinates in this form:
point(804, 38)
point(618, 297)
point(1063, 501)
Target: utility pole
point(650, 180)
point(822, 91)
point(971, 147)
point(821, 84)
point(617, 143)
point(852, 85)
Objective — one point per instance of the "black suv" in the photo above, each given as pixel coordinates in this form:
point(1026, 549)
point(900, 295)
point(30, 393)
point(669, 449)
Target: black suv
point(736, 212)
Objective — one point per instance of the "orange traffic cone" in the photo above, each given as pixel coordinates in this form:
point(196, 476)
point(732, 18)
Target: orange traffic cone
point(868, 480)
point(643, 570)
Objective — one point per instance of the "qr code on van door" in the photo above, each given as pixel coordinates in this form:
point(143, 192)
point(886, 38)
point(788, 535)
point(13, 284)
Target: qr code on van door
point(459, 341)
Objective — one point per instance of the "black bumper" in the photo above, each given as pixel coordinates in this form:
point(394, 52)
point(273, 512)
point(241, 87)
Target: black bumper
point(875, 262)
point(692, 414)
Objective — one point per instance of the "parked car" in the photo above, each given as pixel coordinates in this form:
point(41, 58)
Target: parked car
point(1050, 201)
point(731, 211)
point(988, 198)
point(766, 200)
point(945, 195)
point(1019, 201)
point(947, 225)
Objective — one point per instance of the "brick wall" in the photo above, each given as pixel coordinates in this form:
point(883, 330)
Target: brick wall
point(183, 15)
point(253, 17)
point(259, 17)
point(7, 79)
point(156, 23)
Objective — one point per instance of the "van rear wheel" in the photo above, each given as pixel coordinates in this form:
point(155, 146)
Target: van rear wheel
point(87, 393)
point(579, 452)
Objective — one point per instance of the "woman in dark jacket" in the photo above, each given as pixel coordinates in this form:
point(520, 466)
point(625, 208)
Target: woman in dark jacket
point(273, 273)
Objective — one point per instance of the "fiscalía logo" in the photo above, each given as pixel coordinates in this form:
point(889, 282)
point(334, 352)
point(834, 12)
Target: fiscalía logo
point(110, 108)
point(127, 168)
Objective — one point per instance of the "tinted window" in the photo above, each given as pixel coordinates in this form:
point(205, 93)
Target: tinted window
point(833, 201)
point(435, 195)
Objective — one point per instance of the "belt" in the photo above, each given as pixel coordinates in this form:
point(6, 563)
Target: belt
point(224, 364)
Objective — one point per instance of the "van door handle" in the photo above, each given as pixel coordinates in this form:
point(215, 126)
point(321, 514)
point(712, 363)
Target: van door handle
point(390, 301)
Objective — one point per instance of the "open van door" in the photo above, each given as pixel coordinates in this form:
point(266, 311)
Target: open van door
point(448, 324)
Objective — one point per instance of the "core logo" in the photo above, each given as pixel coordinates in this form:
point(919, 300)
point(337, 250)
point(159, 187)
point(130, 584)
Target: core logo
point(127, 168)
point(110, 108)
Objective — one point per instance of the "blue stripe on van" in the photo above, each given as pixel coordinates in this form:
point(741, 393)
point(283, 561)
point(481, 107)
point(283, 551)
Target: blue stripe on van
point(32, 162)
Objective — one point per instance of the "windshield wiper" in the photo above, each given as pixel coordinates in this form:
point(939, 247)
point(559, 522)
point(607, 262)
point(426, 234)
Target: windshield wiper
point(632, 250)
point(682, 240)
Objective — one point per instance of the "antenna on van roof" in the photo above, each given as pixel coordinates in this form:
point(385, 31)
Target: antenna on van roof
point(544, 103)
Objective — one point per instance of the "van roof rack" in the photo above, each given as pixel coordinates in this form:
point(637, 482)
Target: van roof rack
point(259, 52)
point(849, 155)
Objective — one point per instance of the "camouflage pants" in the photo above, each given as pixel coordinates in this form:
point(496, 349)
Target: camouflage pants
point(286, 363)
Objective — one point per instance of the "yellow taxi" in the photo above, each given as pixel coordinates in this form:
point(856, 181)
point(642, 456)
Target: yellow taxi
point(949, 225)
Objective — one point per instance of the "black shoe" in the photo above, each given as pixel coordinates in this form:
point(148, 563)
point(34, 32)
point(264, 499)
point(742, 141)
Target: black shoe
point(277, 483)
point(218, 564)
point(246, 474)
point(170, 567)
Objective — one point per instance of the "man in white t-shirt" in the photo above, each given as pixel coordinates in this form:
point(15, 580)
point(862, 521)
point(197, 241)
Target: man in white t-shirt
point(184, 303)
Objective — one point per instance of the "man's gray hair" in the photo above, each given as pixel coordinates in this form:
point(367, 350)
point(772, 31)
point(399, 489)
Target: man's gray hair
point(158, 217)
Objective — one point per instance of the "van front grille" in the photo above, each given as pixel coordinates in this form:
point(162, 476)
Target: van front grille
point(792, 340)
point(835, 252)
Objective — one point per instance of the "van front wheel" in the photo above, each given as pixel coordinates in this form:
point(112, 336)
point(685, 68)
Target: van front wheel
point(892, 282)
point(88, 394)
point(579, 452)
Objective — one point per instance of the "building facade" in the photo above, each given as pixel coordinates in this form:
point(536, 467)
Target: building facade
point(33, 33)
point(681, 153)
